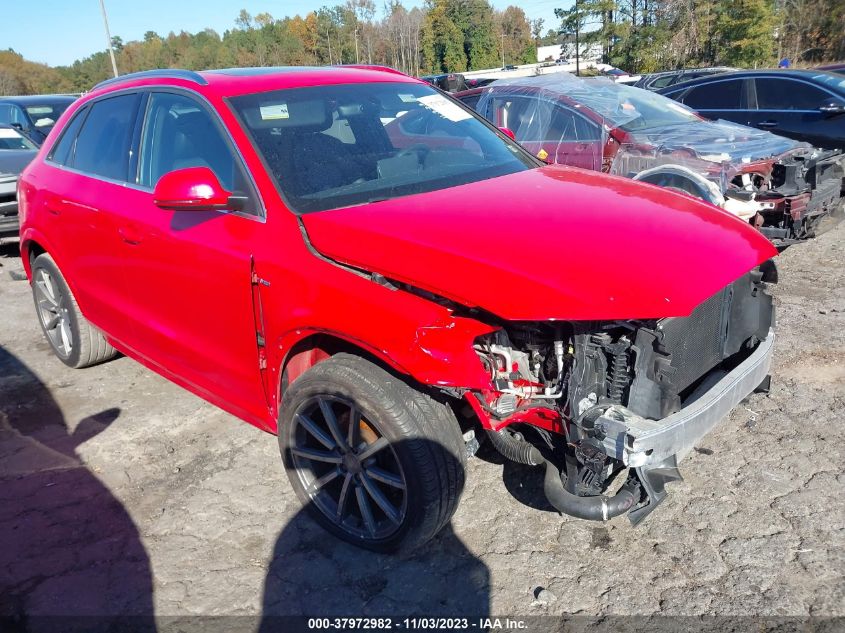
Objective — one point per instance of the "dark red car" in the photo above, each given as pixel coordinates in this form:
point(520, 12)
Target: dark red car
point(353, 260)
point(788, 188)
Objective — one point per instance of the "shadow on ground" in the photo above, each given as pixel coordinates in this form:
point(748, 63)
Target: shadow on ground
point(69, 547)
point(312, 573)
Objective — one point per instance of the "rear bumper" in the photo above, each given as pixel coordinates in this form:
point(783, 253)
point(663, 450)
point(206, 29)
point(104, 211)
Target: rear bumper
point(638, 442)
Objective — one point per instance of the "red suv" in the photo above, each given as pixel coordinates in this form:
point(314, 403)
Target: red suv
point(352, 259)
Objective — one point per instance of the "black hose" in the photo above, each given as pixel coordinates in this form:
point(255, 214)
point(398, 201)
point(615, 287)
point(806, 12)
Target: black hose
point(590, 508)
point(513, 449)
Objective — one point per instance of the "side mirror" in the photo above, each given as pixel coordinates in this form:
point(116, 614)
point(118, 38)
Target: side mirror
point(192, 189)
point(832, 107)
point(508, 132)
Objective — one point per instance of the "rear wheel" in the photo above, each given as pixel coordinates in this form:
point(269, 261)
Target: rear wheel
point(74, 341)
point(376, 462)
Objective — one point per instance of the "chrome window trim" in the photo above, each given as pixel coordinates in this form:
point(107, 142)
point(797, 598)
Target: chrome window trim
point(206, 105)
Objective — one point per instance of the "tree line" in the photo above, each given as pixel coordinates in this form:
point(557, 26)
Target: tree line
point(459, 35)
point(650, 35)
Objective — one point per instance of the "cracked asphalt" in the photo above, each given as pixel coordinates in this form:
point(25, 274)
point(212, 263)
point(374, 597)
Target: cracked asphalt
point(120, 493)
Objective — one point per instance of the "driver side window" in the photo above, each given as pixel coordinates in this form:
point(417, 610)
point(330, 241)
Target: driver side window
point(179, 133)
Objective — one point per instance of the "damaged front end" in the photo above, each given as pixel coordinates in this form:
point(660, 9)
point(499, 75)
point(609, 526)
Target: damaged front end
point(789, 197)
point(603, 403)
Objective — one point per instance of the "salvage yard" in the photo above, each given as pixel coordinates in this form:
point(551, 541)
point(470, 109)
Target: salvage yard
point(122, 493)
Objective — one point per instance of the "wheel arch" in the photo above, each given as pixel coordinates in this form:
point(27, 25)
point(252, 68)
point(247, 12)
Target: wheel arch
point(30, 249)
point(682, 178)
point(312, 347)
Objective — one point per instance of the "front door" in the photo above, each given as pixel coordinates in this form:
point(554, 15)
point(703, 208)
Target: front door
point(188, 274)
point(790, 107)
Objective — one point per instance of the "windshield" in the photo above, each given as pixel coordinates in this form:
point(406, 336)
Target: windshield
point(632, 109)
point(336, 146)
point(46, 114)
point(11, 139)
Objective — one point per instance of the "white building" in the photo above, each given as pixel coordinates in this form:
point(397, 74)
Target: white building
point(591, 53)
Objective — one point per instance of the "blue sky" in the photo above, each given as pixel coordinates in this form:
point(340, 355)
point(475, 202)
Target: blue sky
point(62, 31)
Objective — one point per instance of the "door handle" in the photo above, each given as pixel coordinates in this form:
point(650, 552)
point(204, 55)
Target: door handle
point(129, 236)
point(768, 123)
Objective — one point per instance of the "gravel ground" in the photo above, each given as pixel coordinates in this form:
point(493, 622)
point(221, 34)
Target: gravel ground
point(120, 493)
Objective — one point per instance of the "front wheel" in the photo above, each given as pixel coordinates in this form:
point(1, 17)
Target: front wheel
point(375, 461)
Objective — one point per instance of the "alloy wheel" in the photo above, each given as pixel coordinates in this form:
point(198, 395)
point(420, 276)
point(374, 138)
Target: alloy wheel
point(347, 468)
point(53, 313)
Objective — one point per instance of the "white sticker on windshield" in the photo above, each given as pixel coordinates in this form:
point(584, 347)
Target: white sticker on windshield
point(445, 108)
point(6, 132)
point(274, 111)
point(408, 98)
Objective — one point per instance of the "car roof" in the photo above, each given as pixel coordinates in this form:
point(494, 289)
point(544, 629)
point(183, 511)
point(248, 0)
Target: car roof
point(797, 73)
point(226, 82)
point(35, 99)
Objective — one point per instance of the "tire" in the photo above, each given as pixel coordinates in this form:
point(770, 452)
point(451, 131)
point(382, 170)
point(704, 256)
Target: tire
point(72, 338)
point(422, 448)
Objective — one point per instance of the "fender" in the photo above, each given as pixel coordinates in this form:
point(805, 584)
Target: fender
point(32, 235)
point(432, 352)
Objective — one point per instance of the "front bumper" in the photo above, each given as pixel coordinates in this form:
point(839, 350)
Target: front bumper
point(642, 443)
point(8, 206)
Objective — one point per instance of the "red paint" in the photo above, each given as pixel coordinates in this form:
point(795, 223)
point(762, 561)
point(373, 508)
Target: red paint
point(194, 188)
point(549, 243)
point(178, 289)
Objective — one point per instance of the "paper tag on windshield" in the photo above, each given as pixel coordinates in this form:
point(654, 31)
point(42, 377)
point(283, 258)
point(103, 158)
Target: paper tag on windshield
point(445, 108)
point(6, 132)
point(274, 111)
point(407, 98)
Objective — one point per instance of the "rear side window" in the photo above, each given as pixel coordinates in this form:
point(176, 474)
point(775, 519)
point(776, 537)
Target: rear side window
point(102, 147)
point(720, 95)
point(662, 82)
point(62, 152)
point(786, 94)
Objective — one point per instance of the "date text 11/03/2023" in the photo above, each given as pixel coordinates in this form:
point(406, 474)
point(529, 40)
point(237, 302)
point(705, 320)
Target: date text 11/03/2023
point(417, 623)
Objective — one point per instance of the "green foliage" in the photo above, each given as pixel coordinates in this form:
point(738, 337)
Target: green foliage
point(744, 31)
point(442, 42)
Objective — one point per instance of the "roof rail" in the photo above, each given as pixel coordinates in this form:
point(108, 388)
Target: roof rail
point(384, 69)
point(163, 73)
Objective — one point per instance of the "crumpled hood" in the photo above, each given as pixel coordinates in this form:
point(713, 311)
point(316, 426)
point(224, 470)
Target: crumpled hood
point(12, 161)
point(548, 243)
point(719, 141)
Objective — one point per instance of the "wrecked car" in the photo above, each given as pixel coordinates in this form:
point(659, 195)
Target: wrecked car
point(788, 189)
point(352, 260)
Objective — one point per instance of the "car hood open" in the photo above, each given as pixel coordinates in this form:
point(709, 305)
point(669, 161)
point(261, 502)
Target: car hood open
point(548, 243)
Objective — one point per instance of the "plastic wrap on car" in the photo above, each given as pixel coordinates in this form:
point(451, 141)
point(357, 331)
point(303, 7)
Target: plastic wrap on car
point(717, 150)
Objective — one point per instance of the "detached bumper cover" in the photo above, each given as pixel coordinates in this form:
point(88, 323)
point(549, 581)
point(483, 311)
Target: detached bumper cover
point(638, 442)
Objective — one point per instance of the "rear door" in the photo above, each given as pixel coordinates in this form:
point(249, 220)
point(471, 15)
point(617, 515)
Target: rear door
point(790, 107)
point(87, 181)
point(188, 275)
